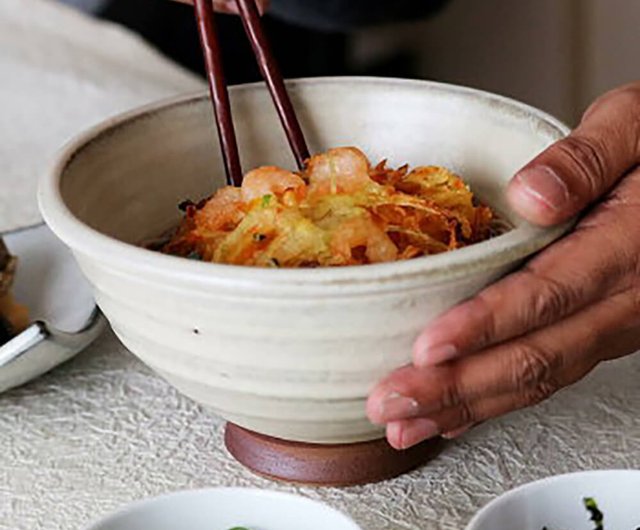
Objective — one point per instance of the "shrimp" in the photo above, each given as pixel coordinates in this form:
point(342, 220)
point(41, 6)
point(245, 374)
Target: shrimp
point(342, 170)
point(271, 180)
point(362, 233)
point(222, 212)
point(338, 211)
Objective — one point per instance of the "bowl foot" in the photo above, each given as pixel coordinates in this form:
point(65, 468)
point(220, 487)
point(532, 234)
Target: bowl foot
point(324, 465)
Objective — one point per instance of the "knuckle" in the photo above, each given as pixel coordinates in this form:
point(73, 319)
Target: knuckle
point(628, 94)
point(532, 366)
point(540, 393)
point(635, 303)
point(628, 98)
point(487, 332)
point(450, 396)
point(551, 299)
point(587, 159)
point(466, 414)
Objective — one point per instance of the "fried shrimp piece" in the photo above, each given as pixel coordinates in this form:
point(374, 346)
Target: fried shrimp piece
point(271, 180)
point(340, 210)
point(224, 210)
point(342, 170)
point(359, 238)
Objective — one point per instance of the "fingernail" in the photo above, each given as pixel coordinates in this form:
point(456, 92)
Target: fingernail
point(397, 407)
point(544, 185)
point(418, 431)
point(432, 355)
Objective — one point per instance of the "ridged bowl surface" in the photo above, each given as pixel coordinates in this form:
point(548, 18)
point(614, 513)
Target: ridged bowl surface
point(288, 353)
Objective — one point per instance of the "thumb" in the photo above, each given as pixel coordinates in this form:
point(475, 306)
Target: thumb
point(578, 170)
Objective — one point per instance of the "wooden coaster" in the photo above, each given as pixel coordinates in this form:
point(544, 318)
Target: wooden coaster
point(325, 465)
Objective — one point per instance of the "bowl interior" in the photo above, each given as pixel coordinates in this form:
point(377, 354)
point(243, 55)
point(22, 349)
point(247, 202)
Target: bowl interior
point(226, 509)
point(557, 503)
point(127, 180)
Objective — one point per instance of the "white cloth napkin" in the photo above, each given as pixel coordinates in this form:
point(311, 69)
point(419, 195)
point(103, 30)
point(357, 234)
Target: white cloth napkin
point(60, 73)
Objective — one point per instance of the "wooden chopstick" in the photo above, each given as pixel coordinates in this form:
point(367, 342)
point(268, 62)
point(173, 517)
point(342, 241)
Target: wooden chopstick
point(218, 88)
point(271, 73)
point(250, 16)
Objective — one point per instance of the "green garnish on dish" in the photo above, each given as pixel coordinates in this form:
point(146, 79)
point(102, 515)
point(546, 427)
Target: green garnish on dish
point(595, 513)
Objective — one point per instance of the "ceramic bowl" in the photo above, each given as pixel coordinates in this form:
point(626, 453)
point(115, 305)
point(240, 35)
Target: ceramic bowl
point(226, 509)
point(287, 353)
point(556, 503)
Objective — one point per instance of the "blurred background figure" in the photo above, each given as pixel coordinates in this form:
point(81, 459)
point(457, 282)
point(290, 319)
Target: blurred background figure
point(310, 37)
point(555, 54)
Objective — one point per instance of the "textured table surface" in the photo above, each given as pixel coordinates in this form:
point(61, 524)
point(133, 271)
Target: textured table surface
point(103, 430)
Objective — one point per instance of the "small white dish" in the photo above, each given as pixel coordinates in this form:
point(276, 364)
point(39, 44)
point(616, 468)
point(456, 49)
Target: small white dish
point(556, 503)
point(64, 316)
point(226, 509)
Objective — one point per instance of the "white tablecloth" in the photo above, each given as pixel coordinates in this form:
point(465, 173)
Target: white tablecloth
point(103, 430)
point(60, 73)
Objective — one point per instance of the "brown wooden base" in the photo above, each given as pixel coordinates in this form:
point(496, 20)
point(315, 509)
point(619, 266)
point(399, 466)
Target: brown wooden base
point(325, 465)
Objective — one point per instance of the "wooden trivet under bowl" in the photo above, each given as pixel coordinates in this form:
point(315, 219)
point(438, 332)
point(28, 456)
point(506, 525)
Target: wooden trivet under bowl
point(325, 465)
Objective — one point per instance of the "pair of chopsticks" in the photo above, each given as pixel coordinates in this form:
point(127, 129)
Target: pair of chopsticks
point(220, 95)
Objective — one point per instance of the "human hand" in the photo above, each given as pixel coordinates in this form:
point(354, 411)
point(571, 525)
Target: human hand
point(230, 6)
point(547, 325)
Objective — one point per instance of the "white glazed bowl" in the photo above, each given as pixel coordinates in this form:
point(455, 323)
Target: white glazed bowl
point(288, 353)
point(556, 503)
point(224, 509)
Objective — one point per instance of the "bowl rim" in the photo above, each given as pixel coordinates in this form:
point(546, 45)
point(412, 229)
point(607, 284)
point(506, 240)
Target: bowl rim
point(148, 502)
point(540, 483)
point(497, 252)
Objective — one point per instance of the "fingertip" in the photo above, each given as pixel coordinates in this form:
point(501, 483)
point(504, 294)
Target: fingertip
point(445, 338)
point(405, 434)
point(394, 435)
point(426, 354)
point(421, 348)
point(432, 348)
point(540, 196)
point(374, 407)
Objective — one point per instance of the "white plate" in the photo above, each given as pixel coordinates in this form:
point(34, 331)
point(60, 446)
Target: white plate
point(556, 503)
point(64, 315)
point(227, 508)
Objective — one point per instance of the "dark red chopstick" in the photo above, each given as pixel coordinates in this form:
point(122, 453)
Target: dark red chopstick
point(271, 73)
point(219, 93)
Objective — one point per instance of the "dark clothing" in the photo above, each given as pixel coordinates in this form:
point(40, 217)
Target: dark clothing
point(309, 37)
point(343, 15)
